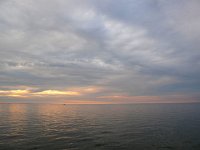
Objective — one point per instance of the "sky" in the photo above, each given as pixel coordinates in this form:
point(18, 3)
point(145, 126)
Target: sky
point(99, 51)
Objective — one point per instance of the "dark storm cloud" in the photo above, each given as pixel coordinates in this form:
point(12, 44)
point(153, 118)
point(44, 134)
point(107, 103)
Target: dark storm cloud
point(123, 46)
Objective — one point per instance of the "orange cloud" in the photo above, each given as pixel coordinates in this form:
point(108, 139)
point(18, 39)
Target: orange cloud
point(85, 90)
point(14, 93)
point(56, 93)
point(30, 92)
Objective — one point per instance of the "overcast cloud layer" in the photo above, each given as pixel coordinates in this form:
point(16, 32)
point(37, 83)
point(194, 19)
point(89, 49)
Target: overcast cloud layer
point(99, 49)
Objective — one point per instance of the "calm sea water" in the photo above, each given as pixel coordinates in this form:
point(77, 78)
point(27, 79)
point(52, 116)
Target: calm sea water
point(100, 127)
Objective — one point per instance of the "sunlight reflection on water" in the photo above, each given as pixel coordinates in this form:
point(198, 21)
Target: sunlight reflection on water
point(137, 126)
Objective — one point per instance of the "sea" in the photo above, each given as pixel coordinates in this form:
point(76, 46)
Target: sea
point(100, 127)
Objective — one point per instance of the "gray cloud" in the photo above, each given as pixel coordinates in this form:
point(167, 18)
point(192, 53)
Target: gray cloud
point(125, 47)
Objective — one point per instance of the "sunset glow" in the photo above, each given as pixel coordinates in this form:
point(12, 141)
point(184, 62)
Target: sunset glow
point(15, 93)
point(27, 93)
point(56, 93)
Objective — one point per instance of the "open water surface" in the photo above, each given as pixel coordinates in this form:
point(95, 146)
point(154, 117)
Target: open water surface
point(100, 127)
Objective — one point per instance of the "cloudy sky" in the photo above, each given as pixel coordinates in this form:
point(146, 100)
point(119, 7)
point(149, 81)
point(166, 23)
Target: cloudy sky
point(99, 51)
